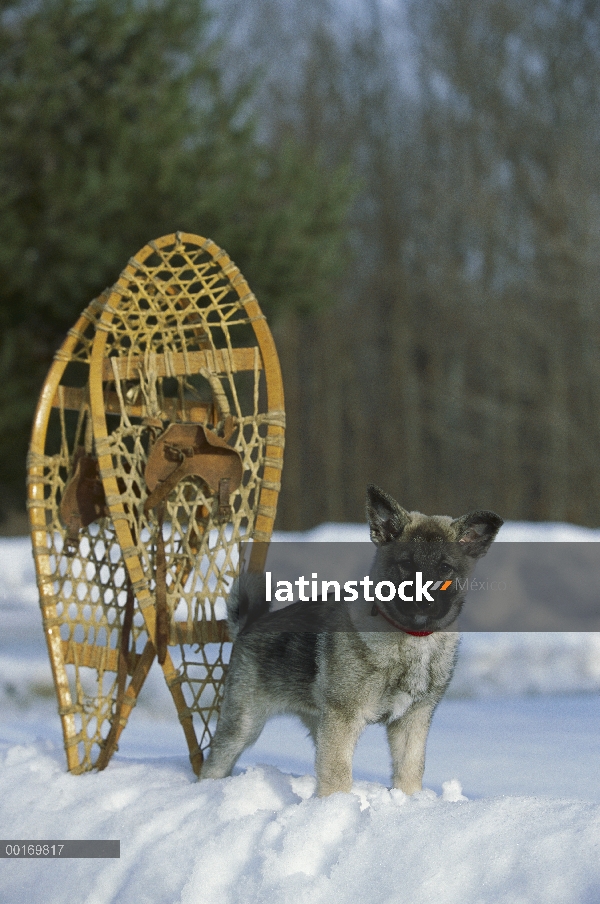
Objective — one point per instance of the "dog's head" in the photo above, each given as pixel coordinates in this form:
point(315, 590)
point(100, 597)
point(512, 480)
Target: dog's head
point(415, 549)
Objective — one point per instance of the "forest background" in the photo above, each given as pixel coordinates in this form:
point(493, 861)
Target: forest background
point(412, 190)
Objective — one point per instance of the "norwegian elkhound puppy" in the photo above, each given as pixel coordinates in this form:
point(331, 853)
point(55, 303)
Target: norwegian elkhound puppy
point(358, 663)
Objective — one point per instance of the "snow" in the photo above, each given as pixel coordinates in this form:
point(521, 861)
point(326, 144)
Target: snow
point(510, 810)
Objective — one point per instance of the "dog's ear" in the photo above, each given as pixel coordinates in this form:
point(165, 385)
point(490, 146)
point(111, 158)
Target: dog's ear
point(476, 532)
point(386, 518)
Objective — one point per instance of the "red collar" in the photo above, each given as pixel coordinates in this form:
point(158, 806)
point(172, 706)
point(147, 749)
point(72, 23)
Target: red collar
point(399, 627)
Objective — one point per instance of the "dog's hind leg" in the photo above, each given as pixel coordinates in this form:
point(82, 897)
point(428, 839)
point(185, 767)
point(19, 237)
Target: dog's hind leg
point(235, 732)
point(407, 738)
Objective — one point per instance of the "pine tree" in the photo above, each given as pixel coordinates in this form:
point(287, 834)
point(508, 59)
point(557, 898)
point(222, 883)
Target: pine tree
point(115, 128)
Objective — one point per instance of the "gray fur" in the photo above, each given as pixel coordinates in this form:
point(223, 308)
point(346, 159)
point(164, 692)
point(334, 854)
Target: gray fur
point(357, 668)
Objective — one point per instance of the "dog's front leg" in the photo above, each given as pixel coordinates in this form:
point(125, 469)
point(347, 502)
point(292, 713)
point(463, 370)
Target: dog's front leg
point(407, 738)
point(336, 739)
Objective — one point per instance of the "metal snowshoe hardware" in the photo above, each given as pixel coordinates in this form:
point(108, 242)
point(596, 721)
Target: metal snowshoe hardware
point(192, 450)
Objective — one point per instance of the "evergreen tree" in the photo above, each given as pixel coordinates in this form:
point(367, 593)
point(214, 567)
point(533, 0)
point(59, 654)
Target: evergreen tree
point(115, 128)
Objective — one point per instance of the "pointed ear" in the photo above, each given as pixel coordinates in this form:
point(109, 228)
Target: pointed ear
point(476, 532)
point(386, 518)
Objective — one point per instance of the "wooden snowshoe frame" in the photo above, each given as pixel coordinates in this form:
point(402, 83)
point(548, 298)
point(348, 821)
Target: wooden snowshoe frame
point(178, 340)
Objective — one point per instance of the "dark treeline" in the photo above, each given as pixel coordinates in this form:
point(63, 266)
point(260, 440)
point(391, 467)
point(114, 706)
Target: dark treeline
point(458, 365)
point(448, 350)
point(117, 126)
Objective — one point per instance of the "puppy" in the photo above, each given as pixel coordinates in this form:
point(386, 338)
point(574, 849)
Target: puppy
point(373, 660)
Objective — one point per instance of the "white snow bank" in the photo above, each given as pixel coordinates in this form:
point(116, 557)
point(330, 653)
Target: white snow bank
point(262, 836)
point(514, 664)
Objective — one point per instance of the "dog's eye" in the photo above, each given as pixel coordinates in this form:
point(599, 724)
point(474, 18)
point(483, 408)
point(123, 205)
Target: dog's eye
point(445, 567)
point(403, 563)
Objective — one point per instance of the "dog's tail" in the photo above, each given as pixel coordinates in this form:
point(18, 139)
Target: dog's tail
point(233, 610)
point(246, 602)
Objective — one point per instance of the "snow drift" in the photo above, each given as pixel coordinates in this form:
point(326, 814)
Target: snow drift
point(510, 811)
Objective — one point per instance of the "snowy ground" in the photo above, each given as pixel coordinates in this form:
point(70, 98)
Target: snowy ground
point(510, 810)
